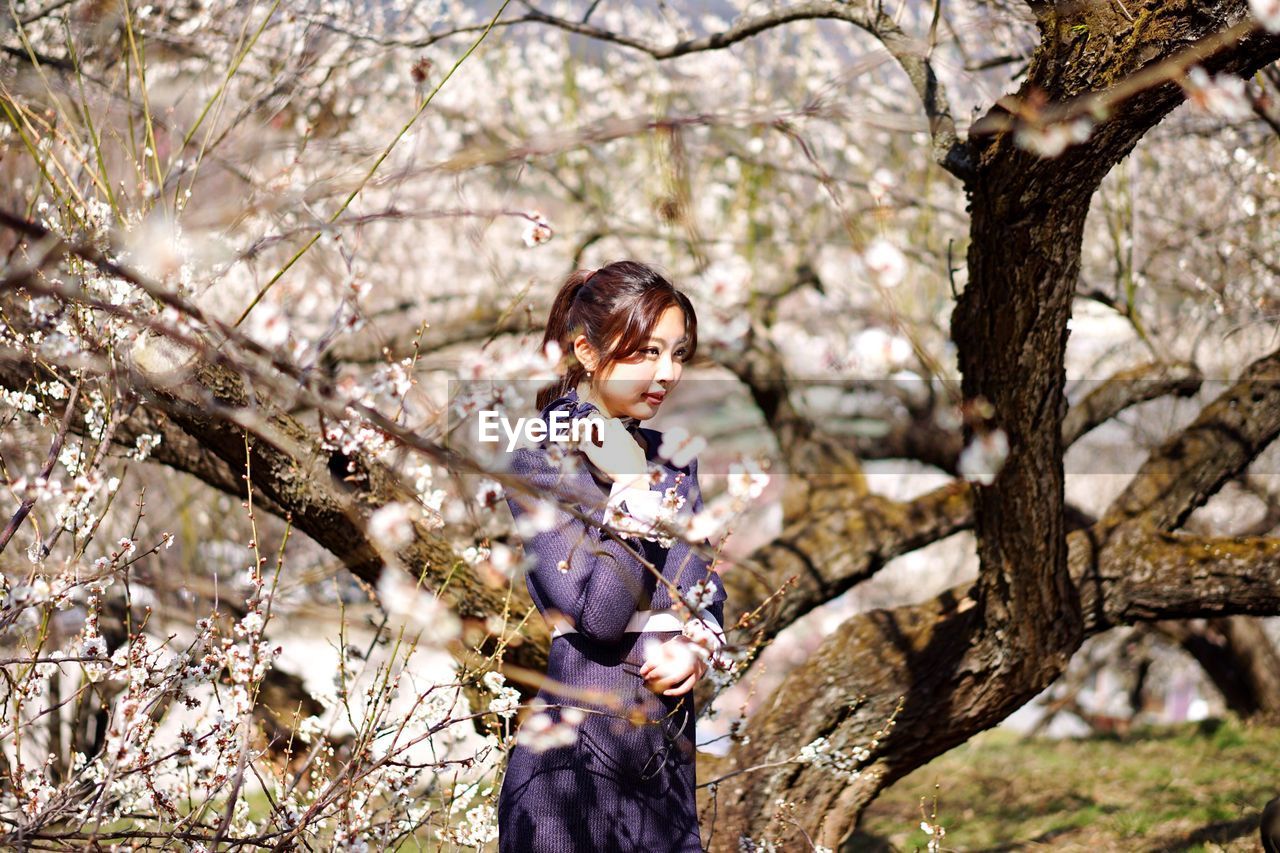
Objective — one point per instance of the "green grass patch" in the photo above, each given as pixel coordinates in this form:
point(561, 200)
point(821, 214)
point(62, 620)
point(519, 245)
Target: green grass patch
point(1198, 786)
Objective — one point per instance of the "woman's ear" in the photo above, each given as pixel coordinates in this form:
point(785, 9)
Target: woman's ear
point(584, 352)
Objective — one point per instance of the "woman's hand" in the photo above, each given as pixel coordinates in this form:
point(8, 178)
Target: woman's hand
point(619, 456)
point(673, 667)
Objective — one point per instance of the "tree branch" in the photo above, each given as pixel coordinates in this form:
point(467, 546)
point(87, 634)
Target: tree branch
point(1193, 465)
point(909, 52)
point(55, 447)
point(1145, 575)
point(1126, 389)
point(919, 437)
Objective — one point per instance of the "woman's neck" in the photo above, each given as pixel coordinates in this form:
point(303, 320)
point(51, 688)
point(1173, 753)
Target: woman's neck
point(587, 396)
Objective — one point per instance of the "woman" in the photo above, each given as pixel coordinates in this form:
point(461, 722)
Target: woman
point(621, 651)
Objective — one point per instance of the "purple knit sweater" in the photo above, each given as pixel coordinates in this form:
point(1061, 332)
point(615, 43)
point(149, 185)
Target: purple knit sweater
point(600, 585)
point(622, 786)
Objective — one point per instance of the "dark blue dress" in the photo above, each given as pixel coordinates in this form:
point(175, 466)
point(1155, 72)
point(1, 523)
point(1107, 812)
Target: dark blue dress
point(627, 782)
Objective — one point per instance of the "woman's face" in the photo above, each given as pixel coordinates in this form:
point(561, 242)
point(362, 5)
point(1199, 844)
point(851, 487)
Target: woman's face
point(634, 387)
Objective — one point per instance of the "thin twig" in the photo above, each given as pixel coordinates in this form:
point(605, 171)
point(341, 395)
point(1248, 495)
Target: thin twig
point(24, 509)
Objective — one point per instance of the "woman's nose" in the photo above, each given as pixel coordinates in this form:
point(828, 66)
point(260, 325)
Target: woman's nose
point(667, 369)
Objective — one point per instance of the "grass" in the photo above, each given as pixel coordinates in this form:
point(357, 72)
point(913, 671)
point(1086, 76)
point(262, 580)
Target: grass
point(1192, 787)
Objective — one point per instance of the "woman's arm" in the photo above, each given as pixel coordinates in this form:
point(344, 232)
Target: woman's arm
point(580, 573)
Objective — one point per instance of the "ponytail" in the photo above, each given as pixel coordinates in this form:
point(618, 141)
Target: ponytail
point(560, 327)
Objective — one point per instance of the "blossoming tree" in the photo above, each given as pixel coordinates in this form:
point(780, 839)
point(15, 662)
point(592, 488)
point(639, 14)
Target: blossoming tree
point(250, 243)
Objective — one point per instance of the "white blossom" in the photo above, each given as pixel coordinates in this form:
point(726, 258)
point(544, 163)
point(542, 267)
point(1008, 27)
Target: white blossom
point(541, 518)
point(1052, 139)
point(1267, 12)
point(885, 262)
point(875, 352)
point(712, 520)
point(268, 325)
point(489, 493)
point(680, 447)
point(881, 182)
point(702, 594)
point(1222, 95)
point(93, 647)
point(506, 702)
point(984, 456)
point(540, 732)
point(747, 480)
point(538, 231)
point(502, 560)
point(407, 600)
point(391, 526)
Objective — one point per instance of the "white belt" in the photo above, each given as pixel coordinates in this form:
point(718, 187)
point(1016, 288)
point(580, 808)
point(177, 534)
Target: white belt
point(667, 619)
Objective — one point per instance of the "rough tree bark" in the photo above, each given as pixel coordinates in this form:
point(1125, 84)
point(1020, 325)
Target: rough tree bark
point(955, 681)
point(964, 661)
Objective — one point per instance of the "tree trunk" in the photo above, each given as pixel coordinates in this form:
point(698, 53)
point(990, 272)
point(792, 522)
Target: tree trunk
point(1238, 657)
point(907, 685)
point(949, 668)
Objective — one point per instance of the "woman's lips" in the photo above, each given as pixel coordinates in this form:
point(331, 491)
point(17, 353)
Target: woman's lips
point(655, 399)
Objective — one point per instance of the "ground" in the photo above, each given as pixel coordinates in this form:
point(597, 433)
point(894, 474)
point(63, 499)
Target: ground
point(1193, 787)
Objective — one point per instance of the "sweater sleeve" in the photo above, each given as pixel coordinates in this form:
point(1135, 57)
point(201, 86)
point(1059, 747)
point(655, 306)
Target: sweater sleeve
point(577, 572)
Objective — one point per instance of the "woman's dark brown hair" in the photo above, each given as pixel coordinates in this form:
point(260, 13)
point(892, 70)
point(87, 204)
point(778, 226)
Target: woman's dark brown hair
point(621, 301)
